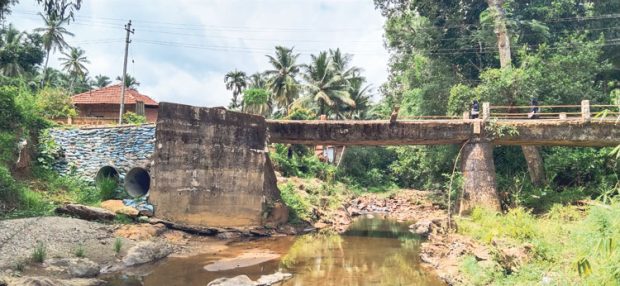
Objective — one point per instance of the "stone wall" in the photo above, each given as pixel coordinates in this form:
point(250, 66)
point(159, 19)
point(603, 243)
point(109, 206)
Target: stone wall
point(85, 150)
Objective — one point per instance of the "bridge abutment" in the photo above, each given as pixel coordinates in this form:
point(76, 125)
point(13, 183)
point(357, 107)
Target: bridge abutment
point(210, 168)
point(479, 185)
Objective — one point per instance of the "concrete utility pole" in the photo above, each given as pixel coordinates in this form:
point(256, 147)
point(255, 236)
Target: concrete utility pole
point(127, 41)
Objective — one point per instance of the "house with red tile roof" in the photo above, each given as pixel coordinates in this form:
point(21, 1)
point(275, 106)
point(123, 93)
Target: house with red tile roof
point(104, 104)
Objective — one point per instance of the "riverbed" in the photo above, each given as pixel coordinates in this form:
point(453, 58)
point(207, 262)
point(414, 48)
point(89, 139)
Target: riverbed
point(373, 251)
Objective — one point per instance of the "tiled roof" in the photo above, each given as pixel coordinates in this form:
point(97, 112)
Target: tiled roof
point(112, 95)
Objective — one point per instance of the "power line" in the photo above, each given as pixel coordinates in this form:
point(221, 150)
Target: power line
point(158, 25)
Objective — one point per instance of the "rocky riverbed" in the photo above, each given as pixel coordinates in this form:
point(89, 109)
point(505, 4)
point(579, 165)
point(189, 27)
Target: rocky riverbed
point(80, 252)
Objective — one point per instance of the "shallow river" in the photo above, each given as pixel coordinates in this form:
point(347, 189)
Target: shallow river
point(374, 251)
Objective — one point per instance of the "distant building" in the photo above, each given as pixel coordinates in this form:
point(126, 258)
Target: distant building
point(102, 106)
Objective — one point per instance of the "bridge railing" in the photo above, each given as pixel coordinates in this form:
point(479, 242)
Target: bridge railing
point(583, 111)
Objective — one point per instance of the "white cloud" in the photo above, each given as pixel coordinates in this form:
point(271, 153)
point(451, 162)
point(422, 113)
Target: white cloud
point(182, 49)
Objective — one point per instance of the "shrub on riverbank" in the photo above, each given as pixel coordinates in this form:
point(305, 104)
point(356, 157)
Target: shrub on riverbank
point(569, 245)
point(310, 198)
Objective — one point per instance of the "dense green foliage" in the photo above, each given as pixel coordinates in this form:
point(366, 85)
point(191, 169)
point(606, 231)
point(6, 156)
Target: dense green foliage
point(444, 55)
point(26, 114)
point(133, 118)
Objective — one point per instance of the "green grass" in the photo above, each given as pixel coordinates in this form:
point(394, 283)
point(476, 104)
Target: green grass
point(19, 266)
point(107, 188)
point(118, 245)
point(40, 194)
point(80, 251)
point(570, 246)
point(39, 253)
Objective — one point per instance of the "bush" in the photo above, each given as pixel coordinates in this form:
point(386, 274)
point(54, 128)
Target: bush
point(300, 165)
point(301, 209)
point(10, 115)
point(55, 103)
point(132, 118)
point(368, 167)
point(10, 193)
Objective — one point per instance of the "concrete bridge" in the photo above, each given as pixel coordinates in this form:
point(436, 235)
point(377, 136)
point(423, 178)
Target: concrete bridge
point(211, 167)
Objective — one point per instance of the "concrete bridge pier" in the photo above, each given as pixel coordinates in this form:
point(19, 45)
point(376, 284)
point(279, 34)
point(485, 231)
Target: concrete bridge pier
point(478, 168)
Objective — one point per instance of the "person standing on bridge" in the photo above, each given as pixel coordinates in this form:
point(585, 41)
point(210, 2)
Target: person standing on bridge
point(475, 110)
point(533, 114)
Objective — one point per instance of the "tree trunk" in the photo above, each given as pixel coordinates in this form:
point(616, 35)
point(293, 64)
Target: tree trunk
point(534, 164)
point(532, 153)
point(47, 58)
point(503, 40)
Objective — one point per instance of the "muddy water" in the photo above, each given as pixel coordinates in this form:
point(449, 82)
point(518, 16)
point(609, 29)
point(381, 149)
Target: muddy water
point(374, 251)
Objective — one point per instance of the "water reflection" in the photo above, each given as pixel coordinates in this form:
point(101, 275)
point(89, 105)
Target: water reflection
point(374, 251)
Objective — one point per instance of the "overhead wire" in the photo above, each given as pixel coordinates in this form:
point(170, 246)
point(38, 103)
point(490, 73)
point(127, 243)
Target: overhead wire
point(103, 22)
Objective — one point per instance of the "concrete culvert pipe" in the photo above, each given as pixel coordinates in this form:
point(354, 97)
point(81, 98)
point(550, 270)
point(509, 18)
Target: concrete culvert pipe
point(106, 172)
point(137, 182)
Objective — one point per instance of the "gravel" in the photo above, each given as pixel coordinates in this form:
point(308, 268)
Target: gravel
point(61, 236)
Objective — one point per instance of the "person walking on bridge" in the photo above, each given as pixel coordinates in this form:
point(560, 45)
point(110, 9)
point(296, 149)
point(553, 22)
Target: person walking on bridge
point(534, 110)
point(475, 110)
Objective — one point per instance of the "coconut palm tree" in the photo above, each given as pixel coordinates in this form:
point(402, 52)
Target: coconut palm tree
point(53, 35)
point(257, 80)
point(73, 63)
point(327, 88)
point(130, 81)
point(235, 81)
point(282, 82)
point(101, 81)
point(360, 95)
point(10, 41)
point(341, 65)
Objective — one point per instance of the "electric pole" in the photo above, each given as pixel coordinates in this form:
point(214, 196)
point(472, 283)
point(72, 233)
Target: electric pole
point(127, 41)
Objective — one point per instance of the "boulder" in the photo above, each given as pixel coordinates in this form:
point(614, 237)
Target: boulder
point(77, 267)
point(143, 231)
point(117, 206)
point(422, 228)
point(511, 257)
point(146, 251)
point(83, 268)
point(86, 212)
point(287, 229)
point(272, 279)
point(241, 280)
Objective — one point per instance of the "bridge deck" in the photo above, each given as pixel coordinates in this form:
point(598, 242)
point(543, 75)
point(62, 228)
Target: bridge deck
point(573, 132)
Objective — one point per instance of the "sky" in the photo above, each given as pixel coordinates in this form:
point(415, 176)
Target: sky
point(182, 49)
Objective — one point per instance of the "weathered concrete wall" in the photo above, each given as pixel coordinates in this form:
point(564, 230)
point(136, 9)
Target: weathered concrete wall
point(478, 168)
point(432, 132)
point(85, 150)
point(210, 167)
